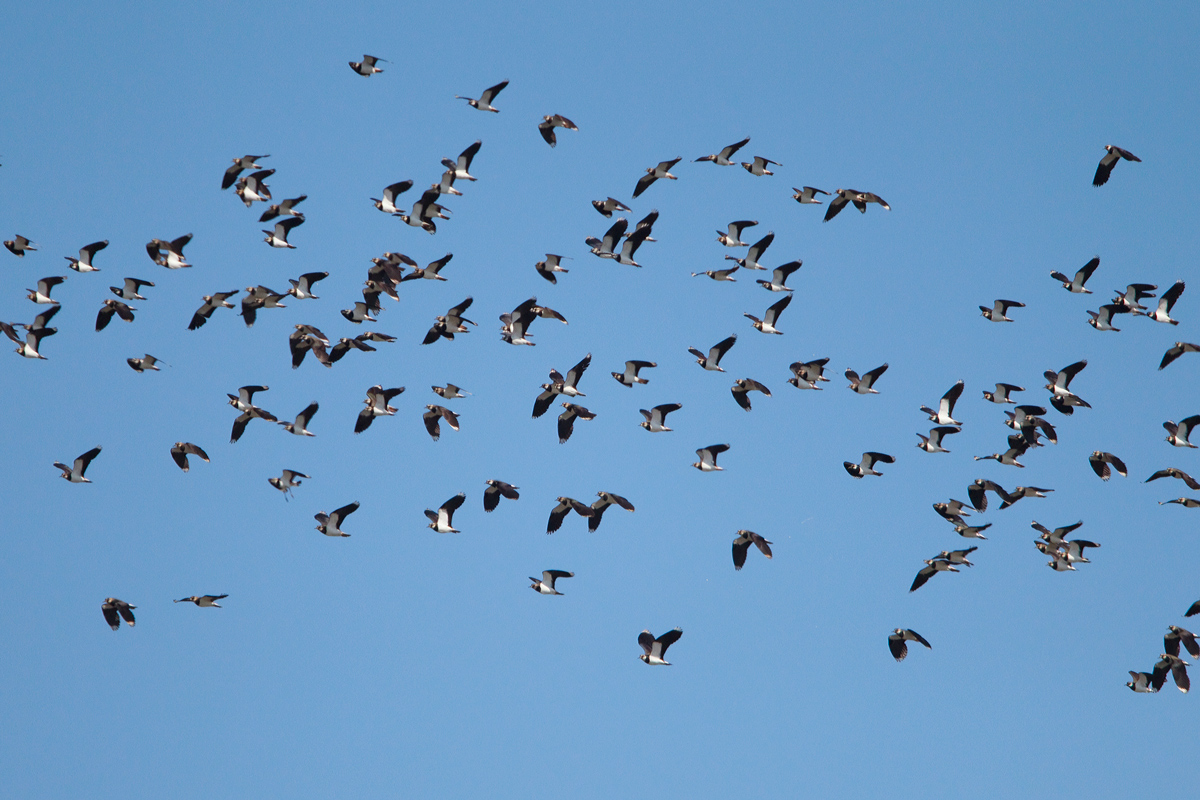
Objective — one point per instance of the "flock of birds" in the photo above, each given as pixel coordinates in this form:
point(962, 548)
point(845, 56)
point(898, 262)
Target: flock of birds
point(1031, 428)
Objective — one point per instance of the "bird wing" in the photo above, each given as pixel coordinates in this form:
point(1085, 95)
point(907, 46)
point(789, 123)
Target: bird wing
point(775, 310)
point(489, 94)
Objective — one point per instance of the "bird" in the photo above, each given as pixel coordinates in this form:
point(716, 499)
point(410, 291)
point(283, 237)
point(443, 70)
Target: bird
point(755, 253)
point(442, 520)
point(1175, 351)
point(741, 546)
point(41, 295)
point(780, 275)
point(1056, 537)
point(771, 317)
point(86, 254)
point(566, 420)
point(285, 482)
point(977, 493)
point(865, 384)
point(112, 607)
point(723, 157)
point(111, 307)
point(1178, 434)
point(430, 271)
point(860, 200)
point(254, 187)
point(1193, 609)
point(719, 274)
point(1172, 472)
point(424, 210)
point(867, 464)
point(1021, 492)
point(1186, 502)
point(656, 418)
point(661, 170)
point(758, 167)
point(932, 567)
point(1178, 669)
point(808, 373)
point(550, 266)
point(168, 254)
point(1142, 682)
point(560, 385)
point(204, 600)
point(712, 361)
point(462, 165)
point(434, 415)
point(808, 195)
point(367, 67)
point(933, 442)
point(1102, 320)
point(1176, 636)
point(331, 524)
point(484, 103)
point(607, 206)
point(630, 246)
point(550, 122)
point(19, 246)
point(377, 405)
point(732, 236)
point(546, 584)
point(1017, 446)
point(302, 287)
point(239, 166)
point(1060, 382)
point(75, 472)
point(565, 506)
point(1112, 155)
point(300, 426)
point(243, 419)
point(999, 310)
point(279, 237)
point(741, 389)
point(358, 314)
point(1001, 395)
point(606, 247)
point(656, 649)
point(146, 362)
point(515, 324)
point(898, 642)
point(708, 457)
point(211, 303)
point(1165, 303)
point(34, 333)
point(1133, 296)
point(600, 506)
point(285, 207)
point(971, 531)
point(497, 489)
point(181, 450)
point(128, 291)
point(630, 376)
point(452, 322)
point(945, 409)
point(1076, 284)
point(952, 511)
point(390, 192)
point(449, 391)
point(1100, 462)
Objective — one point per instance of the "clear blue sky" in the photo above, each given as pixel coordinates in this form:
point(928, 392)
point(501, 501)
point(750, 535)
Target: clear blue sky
point(404, 663)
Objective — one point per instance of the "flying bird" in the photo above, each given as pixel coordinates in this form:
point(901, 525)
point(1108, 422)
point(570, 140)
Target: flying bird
point(755, 253)
point(1178, 349)
point(898, 642)
point(434, 415)
point(630, 376)
point(1100, 462)
point(932, 567)
point(1172, 472)
point(550, 122)
point(741, 391)
point(656, 649)
point(111, 307)
point(377, 405)
point(484, 103)
point(550, 266)
point(600, 506)
point(442, 520)
point(331, 524)
point(390, 192)
point(462, 165)
point(86, 254)
point(565, 506)
point(808, 373)
point(253, 187)
point(865, 384)
point(1178, 434)
point(741, 546)
point(999, 310)
point(300, 426)
point(127, 291)
point(75, 472)
point(758, 167)
point(204, 600)
point(662, 170)
point(546, 584)
point(279, 237)
point(771, 317)
point(168, 254)
point(708, 457)
point(656, 418)
point(945, 410)
point(146, 362)
point(181, 450)
point(780, 275)
point(867, 465)
point(1166, 303)
point(723, 157)
point(285, 482)
point(607, 206)
point(1081, 277)
point(239, 166)
point(732, 235)
point(933, 442)
point(367, 67)
point(285, 207)
point(497, 489)
point(19, 246)
point(115, 610)
point(211, 303)
point(860, 200)
point(808, 195)
point(1001, 395)
point(1112, 155)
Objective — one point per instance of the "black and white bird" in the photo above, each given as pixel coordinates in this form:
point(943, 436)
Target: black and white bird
point(712, 361)
point(449, 391)
point(331, 524)
point(367, 67)
point(497, 489)
point(515, 324)
point(771, 317)
point(279, 236)
point(75, 472)
point(115, 610)
point(1076, 284)
point(656, 649)
point(656, 418)
point(550, 122)
point(1021, 492)
point(431, 271)
point(181, 450)
point(204, 600)
point(758, 167)
point(1112, 155)
point(424, 210)
point(1059, 383)
point(780, 275)
point(1177, 434)
point(807, 195)
point(609, 245)
point(1186, 502)
point(484, 103)
point(1017, 447)
point(977, 493)
point(661, 170)
point(1172, 472)
point(550, 266)
point(898, 642)
point(1001, 395)
point(933, 442)
point(1178, 669)
point(302, 287)
point(865, 384)
point(719, 274)
point(708, 457)
point(285, 482)
point(300, 426)
point(723, 158)
point(1102, 320)
point(110, 308)
point(630, 376)
point(239, 166)
point(732, 235)
point(566, 420)
point(1176, 636)
point(1142, 682)
point(999, 310)
point(867, 465)
point(565, 506)
point(971, 531)
point(253, 187)
point(546, 584)
point(41, 295)
point(741, 391)
point(86, 254)
point(377, 405)
point(168, 254)
point(19, 246)
point(808, 373)
point(741, 547)
point(1133, 296)
point(434, 415)
point(1176, 350)
point(146, 362)
point(452, 322)
point(1103, 464)
point(442, 520)
point(34, 334)
point(287, 206)
point(390, 192)
point(945, 410)
point(755, 253)
point(462, 164)
point(932, 567)
point(1166, 303)
point(244, 400)
point(127, 291)
point(211, 303)
point(601, 505)
point(607, 206)
point(559, 385)
point(860, 200)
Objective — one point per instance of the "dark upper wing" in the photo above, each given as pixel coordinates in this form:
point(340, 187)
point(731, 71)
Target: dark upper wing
point(643, 183)
point(667, 639)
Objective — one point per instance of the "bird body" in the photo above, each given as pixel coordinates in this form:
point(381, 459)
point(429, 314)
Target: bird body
point(546, 584)
point(1112, 155)
point(331, 524)
point(656, 649)
point(75, 472)
point(656, 418)
point(484, 101)
point(442, 520)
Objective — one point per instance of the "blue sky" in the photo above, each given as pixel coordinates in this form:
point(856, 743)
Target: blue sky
point(400, 662)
